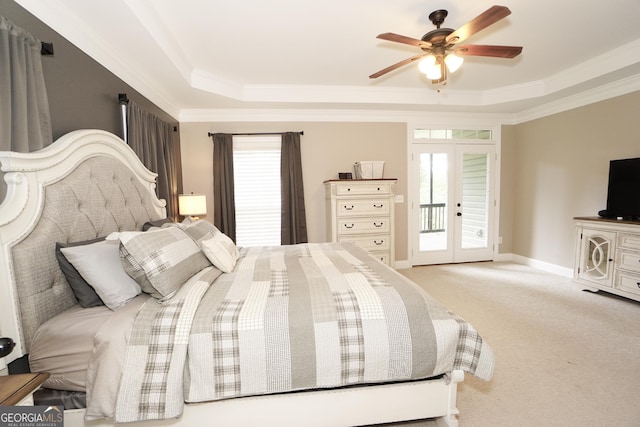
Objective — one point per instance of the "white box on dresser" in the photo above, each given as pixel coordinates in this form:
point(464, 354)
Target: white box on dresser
point(608, 256)
point(362, 211)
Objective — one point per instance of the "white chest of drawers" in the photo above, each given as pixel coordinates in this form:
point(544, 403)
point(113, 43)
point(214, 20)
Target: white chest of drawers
point(608, 256)
point(362, 211)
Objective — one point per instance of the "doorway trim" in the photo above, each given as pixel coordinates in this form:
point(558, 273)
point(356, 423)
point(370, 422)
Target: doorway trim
point(457, 123)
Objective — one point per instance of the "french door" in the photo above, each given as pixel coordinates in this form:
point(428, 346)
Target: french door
point(453, 203)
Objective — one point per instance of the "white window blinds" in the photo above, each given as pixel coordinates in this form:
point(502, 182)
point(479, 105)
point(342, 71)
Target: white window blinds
point(256, 169)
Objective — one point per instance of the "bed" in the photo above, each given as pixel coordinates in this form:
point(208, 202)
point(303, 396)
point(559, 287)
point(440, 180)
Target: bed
point(88, 193)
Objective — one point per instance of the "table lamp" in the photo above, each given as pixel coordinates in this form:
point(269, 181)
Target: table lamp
point(6, 345)
point(192, 205)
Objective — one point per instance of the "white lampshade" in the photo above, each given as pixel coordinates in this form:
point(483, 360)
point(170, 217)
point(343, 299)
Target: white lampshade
point(453, 62)
point(426, 64)
point(434, 73)
point(192, 204)
point(430, 67)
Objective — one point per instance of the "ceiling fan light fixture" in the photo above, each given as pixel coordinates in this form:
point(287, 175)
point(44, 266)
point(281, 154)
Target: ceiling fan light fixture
point(426, 64)
point(430, 67)
point(437, 46)
point(453, 62)
point(434, 72)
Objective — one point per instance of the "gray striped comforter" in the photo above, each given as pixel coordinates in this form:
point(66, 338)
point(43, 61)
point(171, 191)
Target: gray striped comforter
point(290, 318)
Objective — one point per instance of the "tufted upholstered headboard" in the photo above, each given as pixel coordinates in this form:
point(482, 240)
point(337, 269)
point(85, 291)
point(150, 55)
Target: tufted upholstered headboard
point(85, 185)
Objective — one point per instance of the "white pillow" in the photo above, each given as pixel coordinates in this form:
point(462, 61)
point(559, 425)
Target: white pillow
point(99, 264)
point(221, 251)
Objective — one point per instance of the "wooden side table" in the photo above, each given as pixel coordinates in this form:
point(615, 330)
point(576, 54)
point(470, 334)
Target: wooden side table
point(18, 389)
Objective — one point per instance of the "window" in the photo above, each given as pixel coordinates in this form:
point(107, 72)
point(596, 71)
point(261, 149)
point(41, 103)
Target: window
point(256, 164)
point(451, 134)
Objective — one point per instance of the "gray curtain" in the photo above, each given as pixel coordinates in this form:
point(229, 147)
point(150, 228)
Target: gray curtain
point(224, 212)
point(294, 222)
point(153, 141)
point(25, 122)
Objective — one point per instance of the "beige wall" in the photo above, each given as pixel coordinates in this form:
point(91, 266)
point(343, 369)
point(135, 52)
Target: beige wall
point(507, 188)
point(327, 148)
point(552, 169)
point(559, 170)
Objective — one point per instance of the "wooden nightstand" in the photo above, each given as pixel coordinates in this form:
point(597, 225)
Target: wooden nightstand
point(17, 390)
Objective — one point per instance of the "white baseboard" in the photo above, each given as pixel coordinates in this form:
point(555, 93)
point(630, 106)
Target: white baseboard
point(504, 257)
point(399, 265)
point(541, 265)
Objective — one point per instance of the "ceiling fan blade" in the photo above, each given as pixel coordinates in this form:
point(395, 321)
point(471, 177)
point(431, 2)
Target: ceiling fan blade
point(403, 39)
point(487, 50)
point(397, 65)
point(480, 22)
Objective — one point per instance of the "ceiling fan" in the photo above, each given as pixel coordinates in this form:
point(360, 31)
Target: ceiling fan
point(441, 51)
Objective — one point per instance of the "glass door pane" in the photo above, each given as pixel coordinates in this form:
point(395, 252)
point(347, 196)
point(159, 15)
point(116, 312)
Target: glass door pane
point(475, 200)
point(453, 203)
point(434, 193)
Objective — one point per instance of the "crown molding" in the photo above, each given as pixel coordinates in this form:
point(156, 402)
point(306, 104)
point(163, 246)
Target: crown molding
point(65, 22)
point(381, 100)
point(332, 115)
point(152, 22)
point(602, 93)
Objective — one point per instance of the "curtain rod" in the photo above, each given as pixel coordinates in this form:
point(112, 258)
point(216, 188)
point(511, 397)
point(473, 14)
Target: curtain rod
point(257, 133)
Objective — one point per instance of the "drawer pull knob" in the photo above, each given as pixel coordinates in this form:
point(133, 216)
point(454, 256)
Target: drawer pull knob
point(378, 206)
point(348, 226)
point(378, 225)
point(378, 242)
point(348, 208)
point(638, 284)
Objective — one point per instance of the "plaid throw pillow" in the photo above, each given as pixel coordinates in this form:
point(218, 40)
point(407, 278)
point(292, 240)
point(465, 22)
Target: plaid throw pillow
point(199, 230)
point(217, 246)
point(161, 260)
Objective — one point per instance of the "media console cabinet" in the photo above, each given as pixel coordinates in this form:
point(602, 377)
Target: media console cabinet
point(607, 256)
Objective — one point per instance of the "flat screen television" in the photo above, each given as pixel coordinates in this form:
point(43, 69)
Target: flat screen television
point(623, 196)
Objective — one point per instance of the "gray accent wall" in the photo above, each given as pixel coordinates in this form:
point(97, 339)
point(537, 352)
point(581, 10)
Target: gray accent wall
point(82, 93)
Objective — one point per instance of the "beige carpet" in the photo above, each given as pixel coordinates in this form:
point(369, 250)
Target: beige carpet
point(564, 357)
